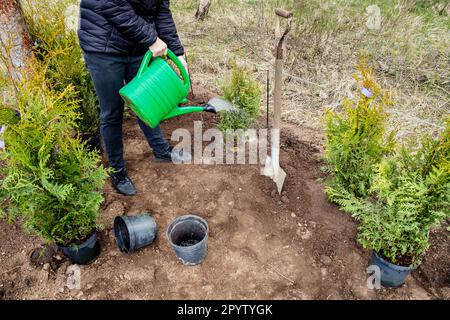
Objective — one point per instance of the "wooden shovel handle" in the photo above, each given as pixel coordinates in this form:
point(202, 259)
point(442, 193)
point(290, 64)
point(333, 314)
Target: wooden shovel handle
point(283, 13)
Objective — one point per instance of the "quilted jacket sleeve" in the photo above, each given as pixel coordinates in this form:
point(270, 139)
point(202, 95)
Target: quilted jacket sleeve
point(166, 29)
point(123, 17)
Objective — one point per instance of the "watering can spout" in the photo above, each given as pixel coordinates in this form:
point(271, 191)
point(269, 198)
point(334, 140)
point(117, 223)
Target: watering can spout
point(213, 106)
point(179, 111)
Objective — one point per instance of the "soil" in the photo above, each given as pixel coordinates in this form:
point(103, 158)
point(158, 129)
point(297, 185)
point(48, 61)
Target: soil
point(403, 261)
point(261, 245)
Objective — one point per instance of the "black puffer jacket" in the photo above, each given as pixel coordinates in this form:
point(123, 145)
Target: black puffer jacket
point(126, 26)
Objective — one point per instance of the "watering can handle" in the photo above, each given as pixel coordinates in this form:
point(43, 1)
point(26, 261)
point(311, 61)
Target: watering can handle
point(148, 58)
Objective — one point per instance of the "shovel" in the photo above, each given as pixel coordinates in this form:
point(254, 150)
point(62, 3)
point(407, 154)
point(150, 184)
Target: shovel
point(272, 165)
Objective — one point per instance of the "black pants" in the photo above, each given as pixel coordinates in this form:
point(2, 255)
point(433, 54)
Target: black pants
point(109, 74)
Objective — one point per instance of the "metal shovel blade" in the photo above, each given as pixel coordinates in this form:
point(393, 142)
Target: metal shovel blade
point(279, 177)
point(219, 104)
point(277, 174)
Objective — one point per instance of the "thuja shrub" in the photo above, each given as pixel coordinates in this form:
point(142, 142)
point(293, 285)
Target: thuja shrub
point(235, 119)
point(245, 94)
point(398, 194)
point(412, 191)
point(56, 46)
point(356, 140)
point(50, 181)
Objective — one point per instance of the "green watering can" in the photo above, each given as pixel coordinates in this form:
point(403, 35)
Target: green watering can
point(156, 91)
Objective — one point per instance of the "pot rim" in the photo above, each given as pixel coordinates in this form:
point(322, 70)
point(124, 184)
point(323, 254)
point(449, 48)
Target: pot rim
point(180, 219)
point(82, 245)
point(121, 219)
point(127, 221)
point(393, 266)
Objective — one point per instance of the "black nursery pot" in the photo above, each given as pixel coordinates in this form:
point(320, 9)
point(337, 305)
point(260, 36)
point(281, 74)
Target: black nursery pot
point(392, 275)
point(134, 232)
point(188, 237)
point(84, 253)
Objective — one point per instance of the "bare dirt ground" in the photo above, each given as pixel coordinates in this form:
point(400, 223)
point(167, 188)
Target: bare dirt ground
point(261, 246)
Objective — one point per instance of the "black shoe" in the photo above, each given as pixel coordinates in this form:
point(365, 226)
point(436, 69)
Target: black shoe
point(122, 183)
point(176, 156)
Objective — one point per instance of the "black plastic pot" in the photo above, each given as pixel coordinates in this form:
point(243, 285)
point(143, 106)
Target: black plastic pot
point(84, 253)
point(134, 232)
point(188, 237)
point(392, 275)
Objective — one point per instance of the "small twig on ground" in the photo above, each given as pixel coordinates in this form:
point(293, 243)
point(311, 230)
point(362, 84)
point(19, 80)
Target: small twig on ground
point(280, 274)
point(219, 232)
point(8, 271)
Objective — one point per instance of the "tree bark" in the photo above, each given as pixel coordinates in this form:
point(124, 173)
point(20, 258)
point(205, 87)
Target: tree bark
point(203, 9)
point(15, 42)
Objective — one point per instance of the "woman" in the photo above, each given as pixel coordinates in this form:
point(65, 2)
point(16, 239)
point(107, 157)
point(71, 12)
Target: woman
point(115, 35)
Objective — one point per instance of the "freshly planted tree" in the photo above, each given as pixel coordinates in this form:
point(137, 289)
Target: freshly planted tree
point(245, 94)
point(235, 119)
point(243, 90)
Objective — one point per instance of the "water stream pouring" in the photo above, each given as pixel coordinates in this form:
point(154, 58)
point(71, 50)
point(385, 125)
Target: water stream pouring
point(157, 90)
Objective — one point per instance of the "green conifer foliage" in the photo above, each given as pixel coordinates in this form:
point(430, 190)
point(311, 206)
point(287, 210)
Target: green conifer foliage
point(245, 94)
point(413, 196)
point(398, 194)
point(57, 46)
point(50, 181)
point(356, 139)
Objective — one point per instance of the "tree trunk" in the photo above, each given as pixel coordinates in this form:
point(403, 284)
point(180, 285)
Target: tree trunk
point(203, 9)
point(15, 42)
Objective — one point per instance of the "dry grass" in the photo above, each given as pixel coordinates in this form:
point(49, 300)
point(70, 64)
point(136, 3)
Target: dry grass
point(410, 53)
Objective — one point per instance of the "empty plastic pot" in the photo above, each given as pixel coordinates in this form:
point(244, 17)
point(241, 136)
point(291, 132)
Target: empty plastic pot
point(188, 236)
point(392, 275)
point(84, 253)
point(134, 232)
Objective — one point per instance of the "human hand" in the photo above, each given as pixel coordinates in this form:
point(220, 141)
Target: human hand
point(159, 48)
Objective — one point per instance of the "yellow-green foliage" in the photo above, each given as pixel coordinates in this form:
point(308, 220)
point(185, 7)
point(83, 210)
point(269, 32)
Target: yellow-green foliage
point(242, 90)
point(50, 180)
point(234, 119)
point(356, 139)
point(57, 47)
point(245, 94)
point(413, 196)
point(397, 194)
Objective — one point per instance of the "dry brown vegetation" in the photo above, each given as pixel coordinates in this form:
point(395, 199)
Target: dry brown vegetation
point(410, 53)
